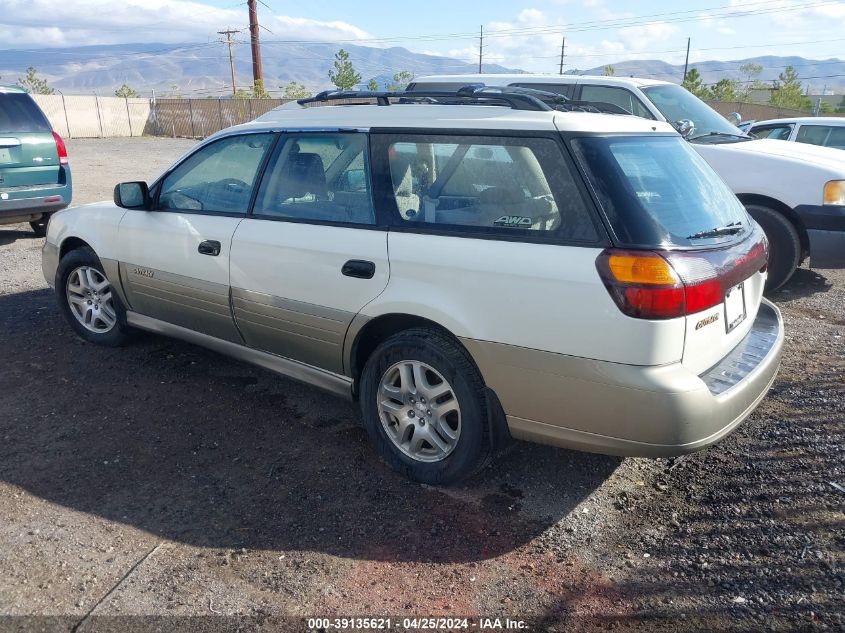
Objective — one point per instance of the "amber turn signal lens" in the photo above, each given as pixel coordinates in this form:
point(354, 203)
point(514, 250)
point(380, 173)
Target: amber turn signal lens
point(834, 192)
point(647, 268)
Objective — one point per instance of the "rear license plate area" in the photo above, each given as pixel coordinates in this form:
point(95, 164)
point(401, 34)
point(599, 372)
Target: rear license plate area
point(734, 306)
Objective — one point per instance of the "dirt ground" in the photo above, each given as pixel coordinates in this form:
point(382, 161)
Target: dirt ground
point(164, 480)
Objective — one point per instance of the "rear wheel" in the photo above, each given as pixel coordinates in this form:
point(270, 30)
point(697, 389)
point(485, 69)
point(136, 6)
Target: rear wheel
point(88, 301)
point(39, 227)
point(424, 407)
point(784, 244)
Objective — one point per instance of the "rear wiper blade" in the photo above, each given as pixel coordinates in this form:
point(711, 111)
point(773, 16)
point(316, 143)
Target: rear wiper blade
point(731, 229)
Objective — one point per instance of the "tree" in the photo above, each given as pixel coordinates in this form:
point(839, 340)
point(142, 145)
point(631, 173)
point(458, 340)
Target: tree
point(258, 91)
point(750, 73)
point(841, 107)
point(296, 90)
point(724, 90)
point(787, 93)
point(608, 71)
point(695, 84)
point(344, 76)
point(240, 93)
point(34, 84)
point(401, 80)
point(825, 107)
point(372, 85)
point(126, 92)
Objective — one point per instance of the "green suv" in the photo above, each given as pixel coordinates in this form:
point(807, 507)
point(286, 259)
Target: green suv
point(34, 172)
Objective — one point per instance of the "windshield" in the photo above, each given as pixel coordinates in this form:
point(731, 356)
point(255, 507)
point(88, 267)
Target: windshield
point(676, 103)
point(656, 191)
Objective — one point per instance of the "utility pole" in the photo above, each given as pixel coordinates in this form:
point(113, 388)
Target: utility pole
point(480, 48)
point(229, 33)
point(686, 63)
point(257, 72)
point(562, 49)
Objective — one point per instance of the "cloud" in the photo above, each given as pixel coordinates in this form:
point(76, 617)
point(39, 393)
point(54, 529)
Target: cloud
point(39, 23)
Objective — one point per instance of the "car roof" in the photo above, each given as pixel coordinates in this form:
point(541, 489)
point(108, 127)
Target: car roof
point(817, 120)
point(12, 89)
point(503, 79)
point(452, 117)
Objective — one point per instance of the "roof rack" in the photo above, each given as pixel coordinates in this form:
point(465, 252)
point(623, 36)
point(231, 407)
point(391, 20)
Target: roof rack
point(468, 95)
point(518, 98)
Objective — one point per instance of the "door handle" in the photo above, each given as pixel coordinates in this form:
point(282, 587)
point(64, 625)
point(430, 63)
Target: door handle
point(359, 268)
point(209, 247)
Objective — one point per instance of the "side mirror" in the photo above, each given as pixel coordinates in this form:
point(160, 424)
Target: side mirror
point(132, 195)
point(685, 127)
point(735, 118)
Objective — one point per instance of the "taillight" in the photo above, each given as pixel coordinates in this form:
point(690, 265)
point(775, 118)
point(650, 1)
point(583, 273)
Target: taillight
point(671, 284)
point(60, 149)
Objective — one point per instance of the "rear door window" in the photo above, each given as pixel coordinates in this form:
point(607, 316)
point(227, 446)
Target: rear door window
point(826, 135)
point(19, 113)
point(562, 89)
point(516, 186)
point(621, 97)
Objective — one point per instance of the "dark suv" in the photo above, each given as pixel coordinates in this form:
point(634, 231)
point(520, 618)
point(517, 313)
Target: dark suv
point(34, 171)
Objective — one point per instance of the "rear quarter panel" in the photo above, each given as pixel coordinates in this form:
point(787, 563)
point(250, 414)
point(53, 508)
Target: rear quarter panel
point(538, 296)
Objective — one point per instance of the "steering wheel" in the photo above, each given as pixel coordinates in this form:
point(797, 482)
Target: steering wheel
point(233, 183)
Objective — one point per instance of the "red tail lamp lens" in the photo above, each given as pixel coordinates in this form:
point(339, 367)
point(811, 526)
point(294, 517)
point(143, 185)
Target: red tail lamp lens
point(645, 284)
point(61, 149)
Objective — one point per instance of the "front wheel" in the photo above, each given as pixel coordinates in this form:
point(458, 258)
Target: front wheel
point(784, 244)
point(88, 301)
point(424, 407)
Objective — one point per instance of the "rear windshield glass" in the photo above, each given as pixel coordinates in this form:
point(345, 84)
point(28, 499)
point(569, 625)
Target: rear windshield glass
point(18, 113)
point(657, 191)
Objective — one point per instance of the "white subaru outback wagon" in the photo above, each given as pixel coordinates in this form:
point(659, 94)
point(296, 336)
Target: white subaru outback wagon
point(466, 266)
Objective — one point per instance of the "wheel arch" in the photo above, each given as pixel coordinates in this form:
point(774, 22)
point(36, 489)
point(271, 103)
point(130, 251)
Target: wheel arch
point(366, 334)
point(783, 209)
point(71, 243)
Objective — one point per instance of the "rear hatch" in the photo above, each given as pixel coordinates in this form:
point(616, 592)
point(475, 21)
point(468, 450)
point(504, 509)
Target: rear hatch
point(28, 153)
point(684, 245)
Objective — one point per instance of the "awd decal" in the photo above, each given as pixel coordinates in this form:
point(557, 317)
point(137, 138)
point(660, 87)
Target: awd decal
point(144, 272)
point(707, 321)
point(514, 221)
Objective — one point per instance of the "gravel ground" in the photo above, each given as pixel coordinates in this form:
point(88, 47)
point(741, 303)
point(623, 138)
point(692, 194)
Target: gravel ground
point(164, 480)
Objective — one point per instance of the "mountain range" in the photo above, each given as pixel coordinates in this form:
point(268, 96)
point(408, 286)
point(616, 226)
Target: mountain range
point(202, 69)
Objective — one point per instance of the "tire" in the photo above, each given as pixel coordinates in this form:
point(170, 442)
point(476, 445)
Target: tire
point(464, 433)
point(784, 244)
point(39, 227)
point(81, 294)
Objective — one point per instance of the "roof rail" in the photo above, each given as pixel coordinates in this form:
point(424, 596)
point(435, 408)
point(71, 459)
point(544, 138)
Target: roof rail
point(467, 95)
point(516, 97)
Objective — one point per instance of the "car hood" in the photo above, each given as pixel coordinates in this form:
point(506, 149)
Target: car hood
point(799, 152)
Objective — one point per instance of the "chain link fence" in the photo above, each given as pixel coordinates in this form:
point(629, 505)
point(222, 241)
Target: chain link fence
point(760, 111)
point(96, 117)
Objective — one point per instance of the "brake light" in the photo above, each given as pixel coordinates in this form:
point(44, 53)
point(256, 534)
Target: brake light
point(60, 149)
point(671, 284)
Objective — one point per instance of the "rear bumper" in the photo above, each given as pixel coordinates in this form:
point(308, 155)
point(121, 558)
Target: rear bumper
point(33, 207)
point(825, 226)
point(631, 410)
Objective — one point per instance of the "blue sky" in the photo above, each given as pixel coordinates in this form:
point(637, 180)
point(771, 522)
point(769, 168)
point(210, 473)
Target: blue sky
point(521, 33)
